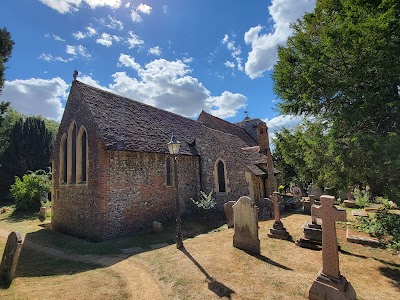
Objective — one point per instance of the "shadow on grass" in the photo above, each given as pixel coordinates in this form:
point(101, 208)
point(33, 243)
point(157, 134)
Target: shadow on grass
point(16, 217)
point(387, 262)
point(215, 286)
point(393, 274)
point(342, 251)
point(268, 260)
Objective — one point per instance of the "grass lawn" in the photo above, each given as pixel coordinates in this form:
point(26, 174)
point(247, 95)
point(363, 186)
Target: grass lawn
point(209, 268)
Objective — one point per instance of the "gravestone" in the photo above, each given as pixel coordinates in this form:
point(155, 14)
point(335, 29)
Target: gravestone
point(245, 235)
point(314, 190)
point(42, 215)
point(228, 209)
point(278, 231)
point(10, 257)
point(296, 192)
point(330, 284)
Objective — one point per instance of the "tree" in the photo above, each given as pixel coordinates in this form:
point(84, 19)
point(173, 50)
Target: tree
point(6, 46)
point(29, 149)
point(342, 64)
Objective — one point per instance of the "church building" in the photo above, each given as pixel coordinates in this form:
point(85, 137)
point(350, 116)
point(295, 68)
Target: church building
point(113, 174)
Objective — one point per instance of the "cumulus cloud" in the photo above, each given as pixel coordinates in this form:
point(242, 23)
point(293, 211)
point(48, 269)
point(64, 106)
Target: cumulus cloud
point(168, 85)
point(111, 23)
point(66, 6)
point(105, 40)
point(90, 31)
point(229, 64)
point(236, 51)
point(264, 55)
point(134, 40)
point(155, 51)
point(49, 57)
point(144, 8)
point(282, 121)
point(78, 50)
point(136, 18)
point(37, 96)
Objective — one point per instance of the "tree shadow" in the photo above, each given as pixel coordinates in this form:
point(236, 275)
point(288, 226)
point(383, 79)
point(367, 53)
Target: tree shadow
point(387, 262)
point(342, 251)
point(268, 260)
point(393, 274)
point(216, 287)
point(16, 217)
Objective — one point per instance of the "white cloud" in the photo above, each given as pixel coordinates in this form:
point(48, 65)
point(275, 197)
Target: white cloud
point(155, 51)
point(187, 60)
point(79, 35)
point(57, 38)
point(165, 9)
point(144, 8)
point(78, 50)
point(49, 57)
point(65, 6)
point(36, 96)
point(128, 61)
point(105, 40)
point(136, 18)
point(282, 121)
point(134, 40)
point(90, 31)
point(229, 64)
point(236, 51)
point(263, 55)
point(112, 23)
point(168, 85)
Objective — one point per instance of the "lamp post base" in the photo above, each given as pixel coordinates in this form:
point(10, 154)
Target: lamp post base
point(179, 242)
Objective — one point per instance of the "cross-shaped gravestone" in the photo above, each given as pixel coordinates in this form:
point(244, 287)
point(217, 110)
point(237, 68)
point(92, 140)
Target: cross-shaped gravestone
point(277, 230)
point(330, 284)
point(329, 214)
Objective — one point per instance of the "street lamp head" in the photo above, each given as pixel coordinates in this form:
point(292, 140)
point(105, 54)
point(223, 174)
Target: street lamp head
point(174, 145)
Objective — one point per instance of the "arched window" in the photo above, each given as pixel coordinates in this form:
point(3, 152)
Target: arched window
point(221, 177)
point(73, 159)
point(63, 158)
point(82, 155)
point(169, 171)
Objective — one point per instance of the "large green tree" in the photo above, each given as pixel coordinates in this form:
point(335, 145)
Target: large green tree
point(342, 63)
point(29, 148)
point(6, 46)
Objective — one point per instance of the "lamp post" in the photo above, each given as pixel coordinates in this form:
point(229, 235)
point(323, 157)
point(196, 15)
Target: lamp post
point(173, 147)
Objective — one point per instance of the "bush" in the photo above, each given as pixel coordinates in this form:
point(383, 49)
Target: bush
point(362, 197)
point(385, 226)
point(205, 204)
point(29, 191)
point(281, 189)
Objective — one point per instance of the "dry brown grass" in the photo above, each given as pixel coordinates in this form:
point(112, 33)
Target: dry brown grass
point(210, 268)
point(283, 271)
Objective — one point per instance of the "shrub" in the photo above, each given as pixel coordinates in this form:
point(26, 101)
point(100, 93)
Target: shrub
point(362, 197)
point(206, 201)
point(29, 191)
point(281, 189)
point(385, 226)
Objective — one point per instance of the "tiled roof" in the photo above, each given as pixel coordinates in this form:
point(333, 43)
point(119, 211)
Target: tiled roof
point(128, 125)
point(224, 126)
point(125, 124)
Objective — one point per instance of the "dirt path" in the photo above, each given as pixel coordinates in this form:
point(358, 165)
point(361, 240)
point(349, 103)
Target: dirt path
point(140, 282)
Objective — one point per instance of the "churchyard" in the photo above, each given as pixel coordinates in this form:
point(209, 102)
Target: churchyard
point(148, 265)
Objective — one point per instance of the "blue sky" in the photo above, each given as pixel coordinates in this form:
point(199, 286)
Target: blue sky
point(178, 55)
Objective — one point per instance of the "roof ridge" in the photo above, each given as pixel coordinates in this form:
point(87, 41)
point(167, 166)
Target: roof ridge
point(138, 102)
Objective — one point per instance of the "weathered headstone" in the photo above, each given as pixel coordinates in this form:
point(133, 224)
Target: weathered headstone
point(277, 231)
point(296, 192)
point(313, 190)
point(228, 209)
point(245, 235)
point(10, 257)
point(330, 284)
point(42, 215)
point(312, 232)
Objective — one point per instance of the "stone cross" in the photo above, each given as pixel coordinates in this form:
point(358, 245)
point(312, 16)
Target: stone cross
point(276, 199)
point(10, 257)
point(245, 217)
point(329, 214)
point(313, 217)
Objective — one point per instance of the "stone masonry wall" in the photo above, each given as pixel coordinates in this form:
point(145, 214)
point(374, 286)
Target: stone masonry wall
point(210, 150)
point(78, 208)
